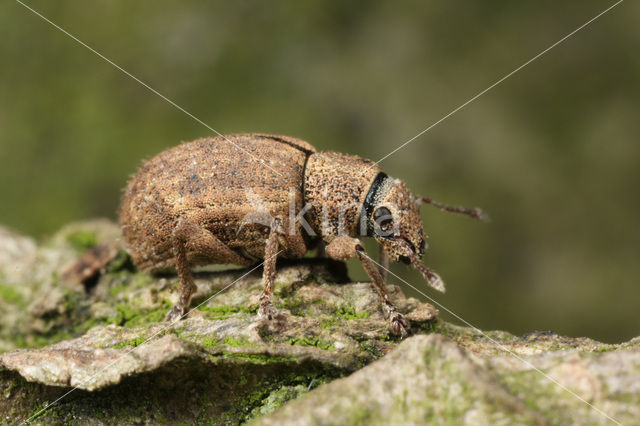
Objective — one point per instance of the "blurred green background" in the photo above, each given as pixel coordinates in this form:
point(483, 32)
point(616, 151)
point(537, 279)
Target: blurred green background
point(552, 154)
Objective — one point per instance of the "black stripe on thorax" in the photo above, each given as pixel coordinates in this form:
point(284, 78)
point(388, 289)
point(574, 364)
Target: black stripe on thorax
point(372, 197)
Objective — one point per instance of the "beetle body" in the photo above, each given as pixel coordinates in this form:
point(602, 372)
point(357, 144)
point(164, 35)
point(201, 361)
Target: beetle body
point(207, 182)
point(244, 198)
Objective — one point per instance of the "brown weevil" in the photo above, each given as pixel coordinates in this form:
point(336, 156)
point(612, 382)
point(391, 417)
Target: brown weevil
point(245, 198)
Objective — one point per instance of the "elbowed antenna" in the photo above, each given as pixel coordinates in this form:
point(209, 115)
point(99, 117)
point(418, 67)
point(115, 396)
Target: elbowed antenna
point(433, 279)
point(475, 213)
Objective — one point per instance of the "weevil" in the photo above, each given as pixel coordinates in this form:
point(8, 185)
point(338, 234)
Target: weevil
point(248, 198)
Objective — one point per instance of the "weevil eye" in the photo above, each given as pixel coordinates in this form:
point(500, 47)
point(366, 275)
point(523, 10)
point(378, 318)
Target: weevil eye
point(382, 216)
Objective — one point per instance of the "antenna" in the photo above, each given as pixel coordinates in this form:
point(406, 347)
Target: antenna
point(475, 212)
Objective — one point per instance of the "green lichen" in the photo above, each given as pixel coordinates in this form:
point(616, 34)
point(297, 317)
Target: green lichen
point(258, 358)
point(300, 307)
point(295, 305)
point(282, 289)
point(278, 390)
point(277, 398)
point(210, 342)
point(10, 295)
point(235, 391)
point(122, 261)
point(557, 347)
point(538, 393)
point(132, 343)
point(122, 282)
point(310, 341)
point(349, 313)
point(427, 327)
point(239, 342)
point(461, 334)
point(71, 319)
point(82, 240)
point(130, 316)
point(371, 348)
point(329, 323)
point(38, 412)
point(224, 311)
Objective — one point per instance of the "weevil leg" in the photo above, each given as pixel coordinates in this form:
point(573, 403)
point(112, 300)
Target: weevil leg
point(191, 238)
point(295, 243)
point(384, 264)
point(344, 248)
point(321, 249)
point(187, 287)
point(203, 243)
point(267, 309)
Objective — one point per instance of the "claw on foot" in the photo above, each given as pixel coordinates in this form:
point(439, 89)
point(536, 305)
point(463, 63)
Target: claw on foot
point(399, 324)
point(174, 314)
point(267, 310)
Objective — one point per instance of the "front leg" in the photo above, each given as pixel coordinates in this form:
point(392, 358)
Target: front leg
point(269, 271)
point(344, 248)
point(384, 264)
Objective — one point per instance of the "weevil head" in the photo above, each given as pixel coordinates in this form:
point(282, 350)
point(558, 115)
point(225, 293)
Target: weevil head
point(395, 223)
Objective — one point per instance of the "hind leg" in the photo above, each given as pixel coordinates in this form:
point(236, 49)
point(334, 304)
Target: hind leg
point(271, 252)
point(188, 236)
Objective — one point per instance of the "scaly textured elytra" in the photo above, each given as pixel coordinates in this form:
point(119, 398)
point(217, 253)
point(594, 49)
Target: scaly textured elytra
point(210, 202)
